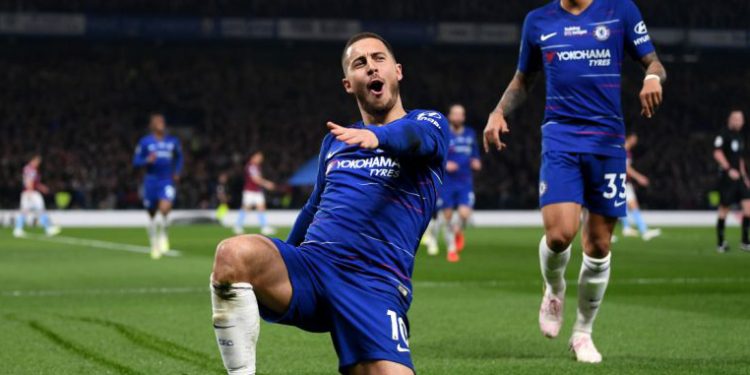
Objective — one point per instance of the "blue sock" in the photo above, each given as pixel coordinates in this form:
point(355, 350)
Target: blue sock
point(642, 227)
point(19, 221)
point(262, 219)
point(241, 219)
point(44, 221)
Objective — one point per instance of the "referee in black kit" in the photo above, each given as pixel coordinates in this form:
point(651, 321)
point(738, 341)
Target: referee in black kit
point(734, 182)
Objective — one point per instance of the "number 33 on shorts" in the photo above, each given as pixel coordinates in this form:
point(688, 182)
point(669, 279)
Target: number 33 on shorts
point(399, 332)
point(615, 189)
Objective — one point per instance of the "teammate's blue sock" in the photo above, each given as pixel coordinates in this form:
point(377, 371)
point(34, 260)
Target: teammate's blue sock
point(262, 219)
point(19, 221)
point(44, 221)
point(642, 227)
point(240, 219)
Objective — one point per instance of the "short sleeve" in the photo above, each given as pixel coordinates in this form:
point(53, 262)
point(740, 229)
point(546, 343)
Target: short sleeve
point(637, 40)
point(529, 56)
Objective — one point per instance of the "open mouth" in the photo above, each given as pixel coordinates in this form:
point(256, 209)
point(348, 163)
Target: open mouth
point(376, 87)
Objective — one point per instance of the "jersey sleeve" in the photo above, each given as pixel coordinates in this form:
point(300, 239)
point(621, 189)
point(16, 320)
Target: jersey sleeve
point(306, 215)
point(529, 56)
point(140, 157)
point(425, 135)
point(637, 40)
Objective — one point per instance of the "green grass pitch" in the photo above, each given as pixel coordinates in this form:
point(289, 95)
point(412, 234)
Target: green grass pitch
point(674, 306)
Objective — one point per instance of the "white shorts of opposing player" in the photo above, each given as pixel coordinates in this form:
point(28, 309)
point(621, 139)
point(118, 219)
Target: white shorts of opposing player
point(253, 199)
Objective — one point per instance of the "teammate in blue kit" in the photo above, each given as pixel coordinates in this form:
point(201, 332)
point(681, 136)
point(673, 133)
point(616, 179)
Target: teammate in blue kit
point(458, 191)
point(580, 45)
point(347, 264)
point(161, 155)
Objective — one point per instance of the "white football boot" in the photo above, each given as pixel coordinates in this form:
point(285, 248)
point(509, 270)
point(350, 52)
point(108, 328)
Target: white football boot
point(551, 315)
point(582, 346)
point(651, 234)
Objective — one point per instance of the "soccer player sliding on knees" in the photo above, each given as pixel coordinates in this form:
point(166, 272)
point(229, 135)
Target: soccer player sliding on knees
point(580, 44)
point(347, 264)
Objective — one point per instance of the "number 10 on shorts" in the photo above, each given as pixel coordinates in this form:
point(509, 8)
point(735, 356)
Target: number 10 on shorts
point(612, 190)
point(398, 331)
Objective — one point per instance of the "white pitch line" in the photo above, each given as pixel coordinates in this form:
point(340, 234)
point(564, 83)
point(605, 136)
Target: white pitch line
point(418, 284)
point(99, 244)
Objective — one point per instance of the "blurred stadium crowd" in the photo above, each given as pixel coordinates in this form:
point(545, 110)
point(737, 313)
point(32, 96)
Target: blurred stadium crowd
point(675, 13)
point(84, 104)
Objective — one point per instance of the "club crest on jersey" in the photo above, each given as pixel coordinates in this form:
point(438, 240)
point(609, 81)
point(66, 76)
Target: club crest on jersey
point(602, 33)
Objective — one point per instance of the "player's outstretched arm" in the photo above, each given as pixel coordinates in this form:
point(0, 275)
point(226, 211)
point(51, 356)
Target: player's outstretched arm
point(651, 95)
point(515, 94)
point(639, 177)
point(425, 136)
point(306, 215)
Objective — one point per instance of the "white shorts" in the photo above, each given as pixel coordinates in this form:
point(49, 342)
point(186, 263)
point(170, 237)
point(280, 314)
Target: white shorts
point(32, 201)
point(253, 198)
point(630, 193)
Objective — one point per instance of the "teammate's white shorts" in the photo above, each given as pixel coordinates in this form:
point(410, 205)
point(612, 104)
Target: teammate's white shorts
point(630, 193)
point(253, 198)
point(32, 201)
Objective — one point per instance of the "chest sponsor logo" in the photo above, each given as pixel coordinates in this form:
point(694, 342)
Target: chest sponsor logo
point(378, 166)
point(595, 57)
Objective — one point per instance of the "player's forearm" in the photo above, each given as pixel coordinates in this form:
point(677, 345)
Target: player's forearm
point(722, 160)
point(654, 67)
point(515, 94)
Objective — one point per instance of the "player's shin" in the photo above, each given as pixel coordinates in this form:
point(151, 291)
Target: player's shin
point(236, 322)
point(592, 283)
point(19, 221)
point(553, 268)
point(745, 228)
point(164, 234)
point(638, 218)
point(720, 225)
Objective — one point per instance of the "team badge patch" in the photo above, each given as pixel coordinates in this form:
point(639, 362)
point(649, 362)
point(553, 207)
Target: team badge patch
point(542, 188)
point(602, 33)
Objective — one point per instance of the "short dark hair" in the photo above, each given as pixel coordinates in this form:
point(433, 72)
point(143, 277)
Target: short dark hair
point(364, 35)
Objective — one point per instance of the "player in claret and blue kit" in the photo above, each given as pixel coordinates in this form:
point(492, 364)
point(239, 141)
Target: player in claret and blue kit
point(161, 155)
point(347, 264)
point(580, 45)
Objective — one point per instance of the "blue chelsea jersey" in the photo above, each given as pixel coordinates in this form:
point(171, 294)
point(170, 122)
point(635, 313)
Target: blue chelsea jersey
point(582, 60)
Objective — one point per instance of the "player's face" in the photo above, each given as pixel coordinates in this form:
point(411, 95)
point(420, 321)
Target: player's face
point(736, 120)
point(457, 115)
point(36, 161)
point(372, 75)
point(158, 124)
point(257, 158)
